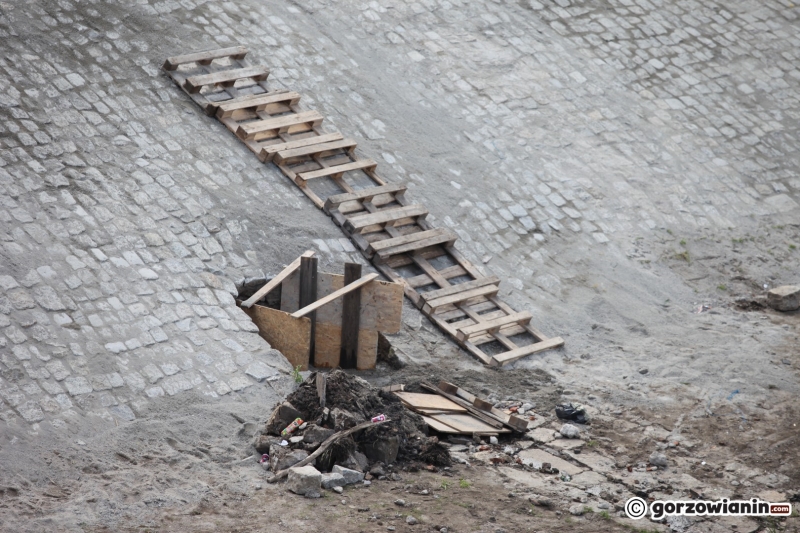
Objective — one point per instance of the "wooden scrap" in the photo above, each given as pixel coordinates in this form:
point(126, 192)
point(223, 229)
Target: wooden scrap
point(514, 422)
point(277, 280)
point(428, 401)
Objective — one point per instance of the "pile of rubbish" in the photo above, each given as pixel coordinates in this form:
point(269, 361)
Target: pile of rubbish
point(339, 423)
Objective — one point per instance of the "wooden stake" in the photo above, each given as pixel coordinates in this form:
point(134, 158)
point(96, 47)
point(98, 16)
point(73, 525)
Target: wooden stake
point(351, 316)
point(308, 295)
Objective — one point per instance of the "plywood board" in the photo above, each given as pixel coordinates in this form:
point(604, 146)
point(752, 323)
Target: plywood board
point(438, 426)
point(329, 343)
point(288, 335)
point(381, 302)
point(429, 401)
point(466, 423)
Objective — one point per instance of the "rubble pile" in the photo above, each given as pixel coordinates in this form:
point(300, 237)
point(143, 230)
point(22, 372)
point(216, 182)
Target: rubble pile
point(347, 402)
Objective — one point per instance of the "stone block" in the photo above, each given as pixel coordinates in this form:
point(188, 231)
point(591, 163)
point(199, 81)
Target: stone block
point(316, 434)
point(281, 458)
point(350, 477)
point(784, 298)
point(304, 480)
point(283, 415)
point(334, 479)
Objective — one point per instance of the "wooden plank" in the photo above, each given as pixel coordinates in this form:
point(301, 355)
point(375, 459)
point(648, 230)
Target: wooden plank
point(485, 417)
point(361, 164)
point(511, 421)
point(381, 302)
point(328, 347)
point(461, 287)
point(519, 353)
point(439, 426)
point(321, 381)
point(351, 313)
point(493, 325)
point(193, 84)
point(290, 336)
point(227, 109)
point(308, 294)
point(414, 241)
point(429, 401)
point(277, 280)
point(256, 129)
point(362, 195)
point(447, 273)
point(268, 152)
point(205, 58)
point(432, 305)
point(345, 144)
point(466, 423)
point(359, 223)
point(329, 298)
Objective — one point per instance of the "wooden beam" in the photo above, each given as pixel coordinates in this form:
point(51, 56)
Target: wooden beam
point(351, 317)
point(205, 58)
point(460, 287)
point(274, 282)
point(492, 326)
point(225, 77)
point(519, 353)
point(308, 294)
point(309, 308)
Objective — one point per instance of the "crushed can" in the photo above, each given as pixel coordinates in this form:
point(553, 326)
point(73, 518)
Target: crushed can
point(292, 427)
point(379, 418)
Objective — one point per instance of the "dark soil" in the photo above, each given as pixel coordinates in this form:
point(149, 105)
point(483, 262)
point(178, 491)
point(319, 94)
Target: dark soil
point(356, 396)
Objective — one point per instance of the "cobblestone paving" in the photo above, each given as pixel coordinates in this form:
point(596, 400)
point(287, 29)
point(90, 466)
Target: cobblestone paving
point(128, 216)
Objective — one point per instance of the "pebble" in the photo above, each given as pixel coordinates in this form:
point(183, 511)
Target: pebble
point(643, 371)
point(401, 503)
point(338, 490)
point(658, 459)
point(410, 520)
point(493, 440)
point(569, 431)
point(576, 510)
point(424, 492)
point(367, 483)
point(603, 505)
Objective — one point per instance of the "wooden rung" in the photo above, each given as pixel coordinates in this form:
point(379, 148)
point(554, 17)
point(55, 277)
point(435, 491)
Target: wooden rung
point(522, 351)
point(490, 326)
point(277, 280)
point(412, 241)
point(345, 144)
point(447, 273)
point(268, 152)
point(225, 77)
point(363, 195)
point(432, 305)
point(362, 164)
point(461, 287)
point(332, 296)
point(204, 58)
point(252, 130)
point(358, 224)
point(249, 101)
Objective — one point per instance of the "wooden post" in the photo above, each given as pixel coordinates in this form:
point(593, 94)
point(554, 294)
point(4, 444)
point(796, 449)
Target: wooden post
point(308, 295)
point(351, 316)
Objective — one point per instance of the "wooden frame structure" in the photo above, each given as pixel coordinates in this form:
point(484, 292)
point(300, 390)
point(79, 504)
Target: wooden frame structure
point(389, 230)
point(326, 320)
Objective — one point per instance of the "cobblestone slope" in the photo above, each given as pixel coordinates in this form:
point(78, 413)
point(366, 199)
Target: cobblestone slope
point(549, 135)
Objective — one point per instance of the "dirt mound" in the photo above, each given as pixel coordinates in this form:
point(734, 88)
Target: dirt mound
point(350, 400)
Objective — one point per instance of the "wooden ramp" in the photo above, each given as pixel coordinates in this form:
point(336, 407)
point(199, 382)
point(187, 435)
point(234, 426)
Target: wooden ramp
point(389, 230)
